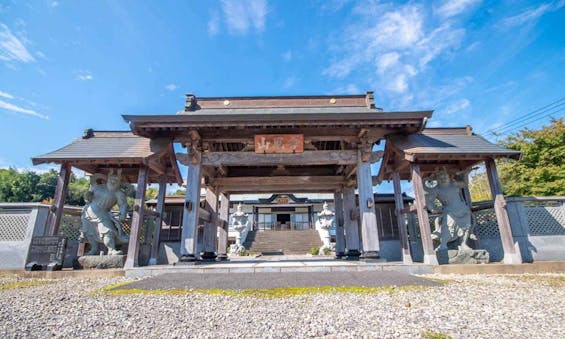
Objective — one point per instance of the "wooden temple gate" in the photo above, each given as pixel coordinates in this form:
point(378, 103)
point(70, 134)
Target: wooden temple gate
point(321, 144)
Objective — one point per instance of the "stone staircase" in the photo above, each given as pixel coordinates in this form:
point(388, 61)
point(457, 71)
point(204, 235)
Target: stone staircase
point(282, 242)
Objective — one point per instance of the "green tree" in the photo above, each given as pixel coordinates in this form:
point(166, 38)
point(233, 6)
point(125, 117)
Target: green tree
point(541, 171)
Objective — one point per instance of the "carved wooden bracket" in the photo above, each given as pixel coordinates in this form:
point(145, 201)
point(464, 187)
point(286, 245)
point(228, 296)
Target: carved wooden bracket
point(365, 148)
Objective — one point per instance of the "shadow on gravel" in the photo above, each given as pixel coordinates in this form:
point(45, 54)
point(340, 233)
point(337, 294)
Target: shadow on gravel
point(332, 281)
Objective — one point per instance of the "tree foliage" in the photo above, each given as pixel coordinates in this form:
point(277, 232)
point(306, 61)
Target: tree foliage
point(540, 172)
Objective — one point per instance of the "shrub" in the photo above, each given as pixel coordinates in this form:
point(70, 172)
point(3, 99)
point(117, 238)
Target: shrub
point(314, 251)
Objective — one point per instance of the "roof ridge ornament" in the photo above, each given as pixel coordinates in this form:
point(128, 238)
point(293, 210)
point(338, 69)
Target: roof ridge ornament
point(191, 102)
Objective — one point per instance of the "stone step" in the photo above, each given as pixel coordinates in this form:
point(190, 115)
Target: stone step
point(288, 242)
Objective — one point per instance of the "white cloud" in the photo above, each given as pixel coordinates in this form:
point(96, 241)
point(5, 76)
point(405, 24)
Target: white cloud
point(6, 95)
point(214, 24)
point(287, 56)
point(84, 76)
point(457, 107)
point(243, 16)
point(10, 107)
point(454, 7)
point(349, 89)
point(289, 82)
point(11, 48)
point(529, 15)
point(54, 4)
point(386, 61)
point(171, 87)
point(393, 52)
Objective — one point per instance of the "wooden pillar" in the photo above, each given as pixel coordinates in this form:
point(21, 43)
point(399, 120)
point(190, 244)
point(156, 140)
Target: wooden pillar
point(423, 219)
point(57, 209)
point(211, 227)
point(369, 230)
point(159, 220)
point(339, 230)
point(223, 229)
point(188, 240)
point(511, 255)
point(350, 224)
point(399, 205)
point(137, 219)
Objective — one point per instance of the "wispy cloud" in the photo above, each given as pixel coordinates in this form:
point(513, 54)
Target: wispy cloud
point(171, 87)
point(12, 48)
point(394, 51)
point(214, 24)
point(84, 76)
point(287, 56)
point(289, 82)
point(456, 107)
point(531, 14)
point(20, 110)
point(6, 95)
point(54, 4)
point(244, 16)
point(451, 8)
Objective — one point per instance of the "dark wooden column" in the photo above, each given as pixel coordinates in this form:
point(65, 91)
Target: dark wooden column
point(211, 227)
point(350, 223)
point(190, 214)
point(137, 219)
point(57, 209)
point(423, 219)
point(511, 255)
point(339, 230)
point(223, 229)
point(399, 206)
point(369, 230)
point(159, 220)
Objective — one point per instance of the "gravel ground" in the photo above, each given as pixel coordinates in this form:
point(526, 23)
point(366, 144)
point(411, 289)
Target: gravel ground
point(525, 306)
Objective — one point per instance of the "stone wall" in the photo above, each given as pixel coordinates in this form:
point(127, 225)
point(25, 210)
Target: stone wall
point(19, 222)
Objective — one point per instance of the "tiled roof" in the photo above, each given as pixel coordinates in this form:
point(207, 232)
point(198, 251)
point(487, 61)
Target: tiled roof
point(431, 142)
point(101, 145)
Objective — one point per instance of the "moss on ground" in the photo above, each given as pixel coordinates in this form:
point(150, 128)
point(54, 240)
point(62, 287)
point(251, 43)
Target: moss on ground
point(427, 334)
point(9, 285)
point(115, 290)
point(557, 281)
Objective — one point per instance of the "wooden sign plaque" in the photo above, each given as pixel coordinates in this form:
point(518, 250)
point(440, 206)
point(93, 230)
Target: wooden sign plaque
point(279, 143)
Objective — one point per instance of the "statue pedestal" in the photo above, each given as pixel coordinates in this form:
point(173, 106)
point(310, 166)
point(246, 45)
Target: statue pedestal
point(100, 261)
point(461, 256)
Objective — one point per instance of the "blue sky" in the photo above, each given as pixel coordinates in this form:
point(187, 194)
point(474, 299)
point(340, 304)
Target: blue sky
point(70, 65)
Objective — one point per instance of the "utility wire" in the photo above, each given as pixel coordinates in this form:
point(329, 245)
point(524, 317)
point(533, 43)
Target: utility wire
point(529, 122)
point(556, 104)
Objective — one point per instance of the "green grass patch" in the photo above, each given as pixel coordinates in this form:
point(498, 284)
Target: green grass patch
point(281, 292)
point(427, 334)
point(10, 285)
point(557, 281)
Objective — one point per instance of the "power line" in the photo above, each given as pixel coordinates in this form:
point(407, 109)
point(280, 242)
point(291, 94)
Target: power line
point(525, 120)
point(529, 122)
point(556, 104)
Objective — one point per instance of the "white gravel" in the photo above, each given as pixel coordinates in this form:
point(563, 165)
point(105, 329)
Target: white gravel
point(480, 306)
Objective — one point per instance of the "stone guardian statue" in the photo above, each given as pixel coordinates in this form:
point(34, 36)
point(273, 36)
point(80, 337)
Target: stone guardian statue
point(98, 223)
point(453, 229)
point(324, 224)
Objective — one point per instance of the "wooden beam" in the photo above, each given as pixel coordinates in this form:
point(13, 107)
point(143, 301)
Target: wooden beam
point(211, 227)
point(137, 219)
point(56, 210)
point(511, 255)
point(399, 206)
point(369, 229)
point(223, 224)
point(254, 159)
point(159, 220)
point(190, 214)
point(430, 257)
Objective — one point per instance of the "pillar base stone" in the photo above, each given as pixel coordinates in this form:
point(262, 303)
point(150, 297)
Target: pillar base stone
point(353, 255)
point(512, 258)
point(222, 257)
point(430, 259)
point(340, 255)
point(186, 258)
point(209, 256)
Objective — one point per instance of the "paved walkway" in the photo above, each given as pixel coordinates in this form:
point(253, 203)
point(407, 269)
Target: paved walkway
point(238, 281)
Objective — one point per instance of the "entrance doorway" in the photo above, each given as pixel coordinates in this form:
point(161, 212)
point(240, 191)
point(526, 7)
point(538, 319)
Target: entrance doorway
point(283, 221)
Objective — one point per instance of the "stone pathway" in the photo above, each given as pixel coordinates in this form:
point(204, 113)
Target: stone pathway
point(237, 281)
